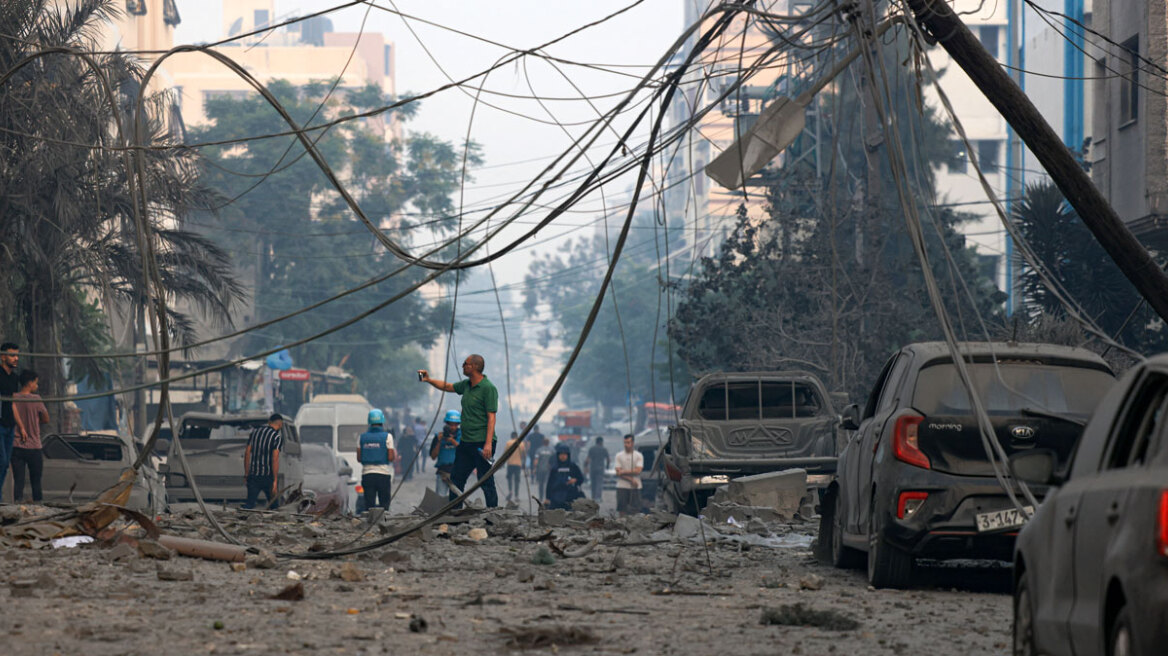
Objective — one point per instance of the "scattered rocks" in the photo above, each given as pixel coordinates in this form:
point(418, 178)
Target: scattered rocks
point(238, 567)
point(526, 576)
point(263, 560)
point(477, 534)
point(293, 592)
point(394, 556)
point(586, 506)
point(553, 518)
point(800, 615)
point(170, 573)
point(544, 637)
point(418, 624)
point(811, 582)
point(121, 551)
point(22, 587)
point(349, 572)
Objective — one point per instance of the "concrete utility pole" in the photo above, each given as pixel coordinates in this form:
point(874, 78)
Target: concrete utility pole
point(938, 20)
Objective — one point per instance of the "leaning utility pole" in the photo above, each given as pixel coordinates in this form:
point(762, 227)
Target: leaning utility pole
point(939, 21)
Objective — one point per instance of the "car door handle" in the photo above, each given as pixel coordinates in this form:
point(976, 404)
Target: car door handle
point(1070, 517)
point(1113, 513)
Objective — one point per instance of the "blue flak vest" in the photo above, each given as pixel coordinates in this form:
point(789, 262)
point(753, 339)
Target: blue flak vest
point(374, 449)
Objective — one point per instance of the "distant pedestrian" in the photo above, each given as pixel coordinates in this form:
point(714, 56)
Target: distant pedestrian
point(563, 482)
point(9, 386)
point(405, 446)
point(442, 450)
point(515, 467)
point(480, 402)
point(629, 464)
point(261, 461)
point(596, 463)
point(376, 453)
point(26, 452)
point(420, 442)
point(542, 461)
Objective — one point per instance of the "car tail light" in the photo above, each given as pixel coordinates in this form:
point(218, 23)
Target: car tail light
point(909, 503)
point(673, 473)
point(1162, 526)
point(904, 441)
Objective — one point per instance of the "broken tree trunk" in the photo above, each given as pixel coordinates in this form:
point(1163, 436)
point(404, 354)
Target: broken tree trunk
point(938, 20)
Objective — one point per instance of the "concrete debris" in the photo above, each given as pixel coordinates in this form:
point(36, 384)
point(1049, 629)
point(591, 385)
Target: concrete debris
point(586, 506)
point(349, 572)
point(22, 587)
point(547, 637)
point(800, 615)
point(477, 534)
point(121, 551)
point(293, 592)
point(811, 582)
point(553, 518)
point(238, 567)
point(782, 490)
point(263, 560)
point(151, 549)
point(394, 557)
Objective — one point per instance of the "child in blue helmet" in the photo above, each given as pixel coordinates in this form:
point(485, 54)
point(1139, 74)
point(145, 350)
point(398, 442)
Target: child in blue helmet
point(563, 483)
point(442, 449)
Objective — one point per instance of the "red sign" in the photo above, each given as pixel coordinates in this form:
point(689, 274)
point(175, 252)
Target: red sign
point(294, 374)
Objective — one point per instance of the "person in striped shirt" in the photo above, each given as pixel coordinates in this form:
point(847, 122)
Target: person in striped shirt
point(261, 460)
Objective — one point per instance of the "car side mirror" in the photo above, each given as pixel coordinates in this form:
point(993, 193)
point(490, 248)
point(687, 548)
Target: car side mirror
point(1034, 466)
point(850, 419)
point(345, 471)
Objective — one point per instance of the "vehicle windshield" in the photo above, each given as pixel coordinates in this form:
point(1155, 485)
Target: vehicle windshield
point(317, 435)
point(348, 436)
point(218, 432)
point(318, 461)
point(1059, 389)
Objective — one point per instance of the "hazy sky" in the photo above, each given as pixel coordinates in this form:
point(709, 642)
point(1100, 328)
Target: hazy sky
point(515, 148)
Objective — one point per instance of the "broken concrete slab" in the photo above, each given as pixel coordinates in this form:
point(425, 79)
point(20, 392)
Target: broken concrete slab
point(781, 490)
point(554, 518)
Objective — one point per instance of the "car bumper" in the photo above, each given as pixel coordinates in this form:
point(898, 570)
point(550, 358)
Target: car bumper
point(945, 525)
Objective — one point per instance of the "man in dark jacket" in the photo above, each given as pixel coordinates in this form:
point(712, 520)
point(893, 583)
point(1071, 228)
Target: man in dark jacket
point(563, 482)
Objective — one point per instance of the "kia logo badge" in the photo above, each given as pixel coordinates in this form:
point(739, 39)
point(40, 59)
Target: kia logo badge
point(1022, 432)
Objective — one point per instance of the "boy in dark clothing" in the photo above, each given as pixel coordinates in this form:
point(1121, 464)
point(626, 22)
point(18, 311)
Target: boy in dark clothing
point(563, 482)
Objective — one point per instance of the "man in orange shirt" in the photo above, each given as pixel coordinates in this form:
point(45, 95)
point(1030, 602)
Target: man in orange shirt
point(515, 467)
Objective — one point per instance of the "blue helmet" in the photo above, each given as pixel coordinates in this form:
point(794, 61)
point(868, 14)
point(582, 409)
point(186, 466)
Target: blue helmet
point(453, 417)
point(376, 417)
point(563, 448)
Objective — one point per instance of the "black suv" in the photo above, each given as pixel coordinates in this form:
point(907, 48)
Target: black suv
point(1091, 566)
point(914, 479)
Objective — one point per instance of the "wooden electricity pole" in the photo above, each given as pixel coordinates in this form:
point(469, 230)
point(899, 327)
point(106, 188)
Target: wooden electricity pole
point(938, 20)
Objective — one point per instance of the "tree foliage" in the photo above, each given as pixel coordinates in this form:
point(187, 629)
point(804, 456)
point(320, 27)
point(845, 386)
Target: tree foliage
point(69, 231)
point(287, 223)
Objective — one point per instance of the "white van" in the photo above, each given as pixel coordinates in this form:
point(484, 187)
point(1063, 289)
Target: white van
point(337, 421)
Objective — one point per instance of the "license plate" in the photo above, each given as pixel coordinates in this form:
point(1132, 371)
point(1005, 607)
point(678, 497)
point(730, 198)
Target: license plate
point(999, 519)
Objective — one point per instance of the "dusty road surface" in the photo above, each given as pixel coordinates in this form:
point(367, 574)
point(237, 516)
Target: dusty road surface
point(610, 586)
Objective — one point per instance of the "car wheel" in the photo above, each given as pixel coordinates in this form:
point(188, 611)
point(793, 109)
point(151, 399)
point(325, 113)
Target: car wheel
point(888, 567)
point(832, 549)
point(1023, 619)
point(1119, 643)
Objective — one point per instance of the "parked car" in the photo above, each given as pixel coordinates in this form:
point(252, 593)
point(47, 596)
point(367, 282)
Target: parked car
point(337, 421)
point(326, 478)
point(914, 479)
point(739, 424)
point(80, 466)
point(1091, 566)
point(214, 445)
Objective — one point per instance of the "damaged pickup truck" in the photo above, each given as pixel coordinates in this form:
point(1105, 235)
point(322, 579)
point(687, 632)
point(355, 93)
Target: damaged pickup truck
point(744, 423)
point(80, 466)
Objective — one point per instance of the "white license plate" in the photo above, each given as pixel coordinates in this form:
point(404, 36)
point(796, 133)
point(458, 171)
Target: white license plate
point(999, 519)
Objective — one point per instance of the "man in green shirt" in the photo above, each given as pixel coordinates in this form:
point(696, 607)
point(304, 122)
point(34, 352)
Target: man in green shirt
point(480, 402)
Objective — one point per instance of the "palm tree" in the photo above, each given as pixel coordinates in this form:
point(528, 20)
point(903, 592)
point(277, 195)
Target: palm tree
point(69, 242)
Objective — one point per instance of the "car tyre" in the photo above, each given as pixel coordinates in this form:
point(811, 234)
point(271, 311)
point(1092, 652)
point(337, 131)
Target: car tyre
point(1119, 642)
point(1023, 619)
point(832, 550)
point(888, 566)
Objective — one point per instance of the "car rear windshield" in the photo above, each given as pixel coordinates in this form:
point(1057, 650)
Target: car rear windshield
point(218, 432)
point(318, 461)
point(317, 435)
point(760, 400)
point(348, 436)
point(1011, 387)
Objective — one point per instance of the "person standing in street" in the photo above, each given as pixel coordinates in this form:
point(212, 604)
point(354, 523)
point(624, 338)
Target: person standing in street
point(480, 402)
point(375, 452)
point(541, 462)
point(26, 451)
point(629, 464)
point(261, 460)
point(596, 462)
point(515, 467)
point(9, 386)
point(405, 442)
point(442, 450)
point(420, 443)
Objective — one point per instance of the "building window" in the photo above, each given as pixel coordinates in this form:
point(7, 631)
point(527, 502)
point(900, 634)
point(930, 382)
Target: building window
point(988, 34)
point(261, 18)
point(388, 60)
point(1129, 81)
point(987, 155)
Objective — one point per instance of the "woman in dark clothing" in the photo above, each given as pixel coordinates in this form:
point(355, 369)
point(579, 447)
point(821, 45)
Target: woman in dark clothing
point(563, 483)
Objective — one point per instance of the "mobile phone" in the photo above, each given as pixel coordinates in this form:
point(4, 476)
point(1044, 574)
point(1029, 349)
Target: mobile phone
point(421, 377)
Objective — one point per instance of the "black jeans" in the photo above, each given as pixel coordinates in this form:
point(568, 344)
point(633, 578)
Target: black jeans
point(255, 485)
point(377, 487)
point(35, 462)
point(467, 459)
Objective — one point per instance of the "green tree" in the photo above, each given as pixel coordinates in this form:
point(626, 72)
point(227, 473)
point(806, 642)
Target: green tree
point(302, 242)
point(827, 284)
point(69, 233)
